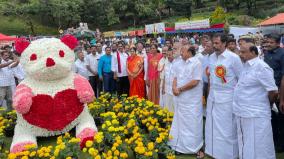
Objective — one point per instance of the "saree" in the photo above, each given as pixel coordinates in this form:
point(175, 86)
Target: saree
point(137, 84)
point(153, 77)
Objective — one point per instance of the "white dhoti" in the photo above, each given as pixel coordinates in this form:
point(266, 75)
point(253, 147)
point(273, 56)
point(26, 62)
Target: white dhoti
point(161, 101)
point(169, 102)
point(187, 126)
point(255, 138)
point(220, 131)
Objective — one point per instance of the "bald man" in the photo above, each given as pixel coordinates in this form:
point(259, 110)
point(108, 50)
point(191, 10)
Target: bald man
point(187, 126)
point(254, 95)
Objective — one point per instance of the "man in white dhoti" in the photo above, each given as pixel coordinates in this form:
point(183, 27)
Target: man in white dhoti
point(187, 126)
point(253, 96)
point(221, 128)
point(161, 69)
point(167, 82)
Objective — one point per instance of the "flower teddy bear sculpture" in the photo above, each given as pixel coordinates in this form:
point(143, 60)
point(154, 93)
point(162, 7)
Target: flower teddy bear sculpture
point(52, 99)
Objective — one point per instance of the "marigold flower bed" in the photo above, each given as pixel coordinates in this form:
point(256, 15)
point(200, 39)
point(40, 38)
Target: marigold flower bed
point(128, 127)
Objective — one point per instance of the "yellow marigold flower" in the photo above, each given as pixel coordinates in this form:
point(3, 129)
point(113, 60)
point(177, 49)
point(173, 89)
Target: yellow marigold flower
point(115, 144)
point(84, 149)
point(66, 135)
point(12, 156)
point(104, 126)
point(109, 153)
point(30, 146)
point(139, 144)
point(150, 146)
point(89, 143)
point(141, 150)
point(116, 153)
point(91, 151)
point(123, 155)
point(113, 148)
point(25, 157)
point(69, 157)
point(98, 157)
point(56, 152)
point(46, 155)
point(158, 140)
point(111, 129)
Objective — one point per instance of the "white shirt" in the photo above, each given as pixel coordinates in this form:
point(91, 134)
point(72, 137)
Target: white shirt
point(251, 92)
point(220, 91)
point(19, 72)
point(200, 49)
point(6, 75)
point(161, 67)
point(80, 68)
point(169, 77)
point(114, 64)
point(186, 71)
point(100, 54)
point(205, 65)
point(92, 61)
point(145, 57)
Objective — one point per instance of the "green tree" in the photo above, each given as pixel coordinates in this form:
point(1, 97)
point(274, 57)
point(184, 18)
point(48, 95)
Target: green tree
point(181, 7)
point(218, 16)
point(24, 9)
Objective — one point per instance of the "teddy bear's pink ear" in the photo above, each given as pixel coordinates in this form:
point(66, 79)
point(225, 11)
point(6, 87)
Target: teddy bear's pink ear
point(70, 41)
point(21, 44)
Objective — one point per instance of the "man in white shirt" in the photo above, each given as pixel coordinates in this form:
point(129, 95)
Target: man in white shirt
point(142, 52)
point(204, 39)
point(100, 53)
point(92, 66)
point(161, 67)
point(221, 128)
point(253, 98)
point(187, 126)
point(167, 82)
point(118, 66)
point(7, 78)
point(80, 65)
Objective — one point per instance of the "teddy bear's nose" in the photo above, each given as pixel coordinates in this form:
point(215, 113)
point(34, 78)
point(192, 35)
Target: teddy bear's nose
point(50, 62)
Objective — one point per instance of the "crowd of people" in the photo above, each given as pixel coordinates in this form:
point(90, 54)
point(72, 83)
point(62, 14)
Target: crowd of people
point(238, 86)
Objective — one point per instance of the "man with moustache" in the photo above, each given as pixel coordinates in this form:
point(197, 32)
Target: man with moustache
point(220, 129)
point(254, 95)
point(274, 57)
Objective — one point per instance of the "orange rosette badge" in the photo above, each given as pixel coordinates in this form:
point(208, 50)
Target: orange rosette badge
point(220, 71)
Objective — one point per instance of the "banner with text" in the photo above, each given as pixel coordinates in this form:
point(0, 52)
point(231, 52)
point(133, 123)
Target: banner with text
point(198, 24)
point(155, 28)
point(150, 29)
point(160, 27)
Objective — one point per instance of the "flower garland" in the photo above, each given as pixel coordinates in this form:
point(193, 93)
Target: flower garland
point(129, 127)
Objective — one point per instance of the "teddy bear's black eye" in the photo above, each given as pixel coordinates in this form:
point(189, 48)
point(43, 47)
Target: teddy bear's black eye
point(33, 57)
point(61, 53)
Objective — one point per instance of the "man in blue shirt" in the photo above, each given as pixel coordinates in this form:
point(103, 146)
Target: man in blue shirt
point(104, 71)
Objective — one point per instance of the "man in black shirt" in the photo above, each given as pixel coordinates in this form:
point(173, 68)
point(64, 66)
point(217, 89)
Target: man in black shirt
point(274, 57)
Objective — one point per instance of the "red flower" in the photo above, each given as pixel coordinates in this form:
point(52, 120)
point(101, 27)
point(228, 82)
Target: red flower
point(21, 44)
point(70, 41)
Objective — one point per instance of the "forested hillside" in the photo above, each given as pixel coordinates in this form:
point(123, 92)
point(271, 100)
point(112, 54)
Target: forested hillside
point(48, 16)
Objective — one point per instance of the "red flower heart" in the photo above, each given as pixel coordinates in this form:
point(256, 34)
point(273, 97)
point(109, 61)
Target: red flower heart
point(54, 113)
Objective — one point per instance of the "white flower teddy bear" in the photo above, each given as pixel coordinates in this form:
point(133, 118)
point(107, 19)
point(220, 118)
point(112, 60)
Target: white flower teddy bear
point(51, 99)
